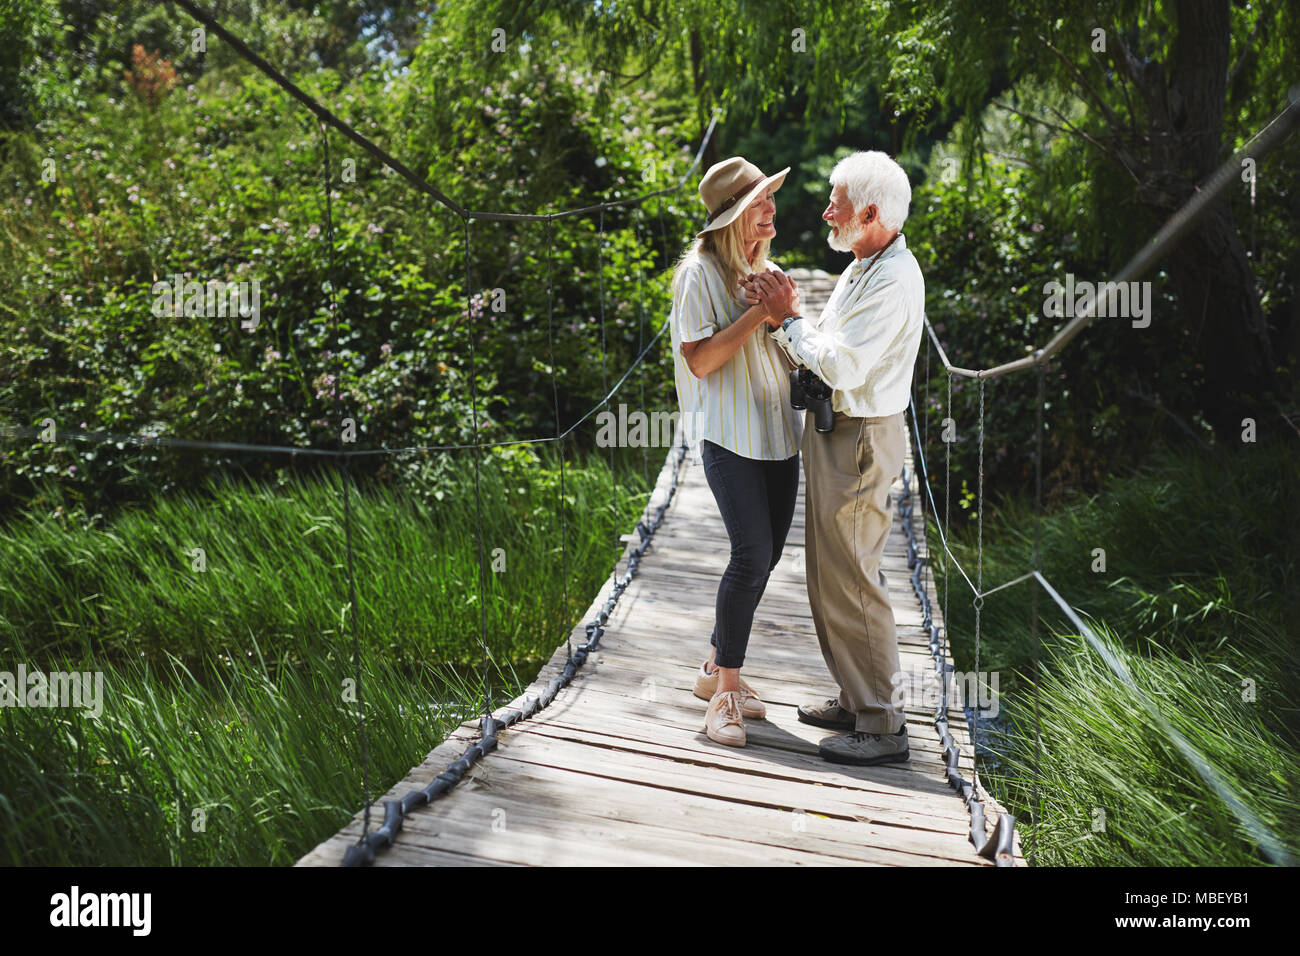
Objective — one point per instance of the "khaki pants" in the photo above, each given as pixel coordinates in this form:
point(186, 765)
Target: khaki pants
point(848, 515)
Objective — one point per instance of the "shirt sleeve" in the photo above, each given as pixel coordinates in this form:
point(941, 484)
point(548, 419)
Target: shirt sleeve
point(843, 357)
point(782, 338)
point(692, 309)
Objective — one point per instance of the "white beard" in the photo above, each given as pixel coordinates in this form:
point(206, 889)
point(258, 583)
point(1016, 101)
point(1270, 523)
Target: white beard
point(843, 240)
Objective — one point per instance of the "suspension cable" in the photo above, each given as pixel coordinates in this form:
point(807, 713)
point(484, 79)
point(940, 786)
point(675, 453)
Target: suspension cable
point(559, 507)
point(345, 480)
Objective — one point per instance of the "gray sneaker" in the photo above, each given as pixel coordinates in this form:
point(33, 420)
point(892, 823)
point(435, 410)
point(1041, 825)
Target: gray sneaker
point(828, 714)
point(865, 749)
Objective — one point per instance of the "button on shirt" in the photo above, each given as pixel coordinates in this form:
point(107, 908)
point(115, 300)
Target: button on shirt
point(744, 405)
point(864, 343)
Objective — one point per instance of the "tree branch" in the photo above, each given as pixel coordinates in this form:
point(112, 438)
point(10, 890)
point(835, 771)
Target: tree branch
point(1155, 403)
point(1115, 153)
point(1071, 129)
point(1083, 81)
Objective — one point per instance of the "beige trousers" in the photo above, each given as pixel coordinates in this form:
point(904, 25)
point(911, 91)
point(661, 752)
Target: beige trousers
point(848, 515)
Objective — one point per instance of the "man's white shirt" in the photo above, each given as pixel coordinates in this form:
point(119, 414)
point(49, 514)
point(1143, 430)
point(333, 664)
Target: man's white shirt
point(864, 343)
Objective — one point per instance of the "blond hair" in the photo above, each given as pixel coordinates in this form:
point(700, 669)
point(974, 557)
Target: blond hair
point(725, 248)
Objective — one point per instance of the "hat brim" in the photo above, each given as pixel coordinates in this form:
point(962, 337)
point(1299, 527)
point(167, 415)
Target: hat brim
point(731, 215)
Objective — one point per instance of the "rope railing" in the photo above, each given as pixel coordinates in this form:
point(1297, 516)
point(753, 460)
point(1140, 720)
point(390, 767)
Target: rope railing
point(1173, 231)
point(328, 117)
point(998, 846)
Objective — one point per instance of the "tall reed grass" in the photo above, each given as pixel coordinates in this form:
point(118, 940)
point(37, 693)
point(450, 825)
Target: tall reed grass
point(225, 736)
point(1199, 599)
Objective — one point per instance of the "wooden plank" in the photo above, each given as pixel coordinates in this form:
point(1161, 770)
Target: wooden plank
point(605, 776)
point(846, 830)
point(720, 772)
point(530, 812)
point(774, 683)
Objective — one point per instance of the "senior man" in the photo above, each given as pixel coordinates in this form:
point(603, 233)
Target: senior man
point(863, 345)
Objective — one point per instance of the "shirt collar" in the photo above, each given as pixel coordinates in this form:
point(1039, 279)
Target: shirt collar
point(859, 264)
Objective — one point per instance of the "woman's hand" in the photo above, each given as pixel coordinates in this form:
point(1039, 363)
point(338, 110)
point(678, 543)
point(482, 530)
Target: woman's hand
point(775, 293)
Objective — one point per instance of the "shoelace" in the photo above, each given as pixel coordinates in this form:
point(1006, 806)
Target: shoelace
point(730, 706)
point(743, 692)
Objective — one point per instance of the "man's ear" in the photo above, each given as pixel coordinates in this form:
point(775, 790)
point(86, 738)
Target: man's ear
point(869, 215)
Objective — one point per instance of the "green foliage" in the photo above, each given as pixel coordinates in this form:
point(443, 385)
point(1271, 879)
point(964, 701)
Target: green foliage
point(206, 187)
point(221, 770)
point(223, 688)
point(275, 564)
point(987, 246)
point(1115, 791)
point(1198, 600)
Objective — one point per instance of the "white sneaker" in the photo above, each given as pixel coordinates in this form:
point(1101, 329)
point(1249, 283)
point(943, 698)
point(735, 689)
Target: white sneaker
point(724, 721)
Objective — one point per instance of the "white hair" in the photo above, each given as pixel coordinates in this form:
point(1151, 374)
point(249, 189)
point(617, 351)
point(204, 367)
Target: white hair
point(873, 179)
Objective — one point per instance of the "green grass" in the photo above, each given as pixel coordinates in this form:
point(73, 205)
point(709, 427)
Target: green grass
point(1198, 599)
point(223, 688)
point(270, 763)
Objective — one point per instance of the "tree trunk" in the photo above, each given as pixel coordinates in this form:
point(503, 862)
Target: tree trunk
point(1216, 291)
point(1211, 273)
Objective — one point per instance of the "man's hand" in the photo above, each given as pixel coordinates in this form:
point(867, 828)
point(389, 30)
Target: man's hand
point(776, 292)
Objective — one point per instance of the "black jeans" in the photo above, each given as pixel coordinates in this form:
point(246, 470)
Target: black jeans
point(756, 499)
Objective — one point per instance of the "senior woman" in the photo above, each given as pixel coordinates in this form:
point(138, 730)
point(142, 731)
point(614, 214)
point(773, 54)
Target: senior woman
point(733, 386)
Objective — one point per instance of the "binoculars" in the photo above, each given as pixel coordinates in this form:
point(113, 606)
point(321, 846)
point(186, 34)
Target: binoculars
point(808, 391)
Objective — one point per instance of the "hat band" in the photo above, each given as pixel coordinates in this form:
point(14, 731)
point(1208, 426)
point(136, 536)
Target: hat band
point(733, 199)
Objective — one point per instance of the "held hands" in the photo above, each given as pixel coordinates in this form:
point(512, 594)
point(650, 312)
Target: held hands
point(775, 292)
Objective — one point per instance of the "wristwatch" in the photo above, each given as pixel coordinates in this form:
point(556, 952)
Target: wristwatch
point(789, 320)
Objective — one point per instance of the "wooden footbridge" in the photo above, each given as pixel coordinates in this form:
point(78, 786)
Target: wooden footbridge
point(618, 770)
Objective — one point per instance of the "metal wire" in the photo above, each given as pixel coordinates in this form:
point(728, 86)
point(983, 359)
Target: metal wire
point(979, 598)
point(947, 507)
point(998, 846)
point(640, 333)
point(604, 356)
point(345, 479)
point(1038, 563)
point(555, 393)
point(478, 492)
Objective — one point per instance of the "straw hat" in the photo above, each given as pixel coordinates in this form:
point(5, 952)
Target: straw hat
point(730, 186)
